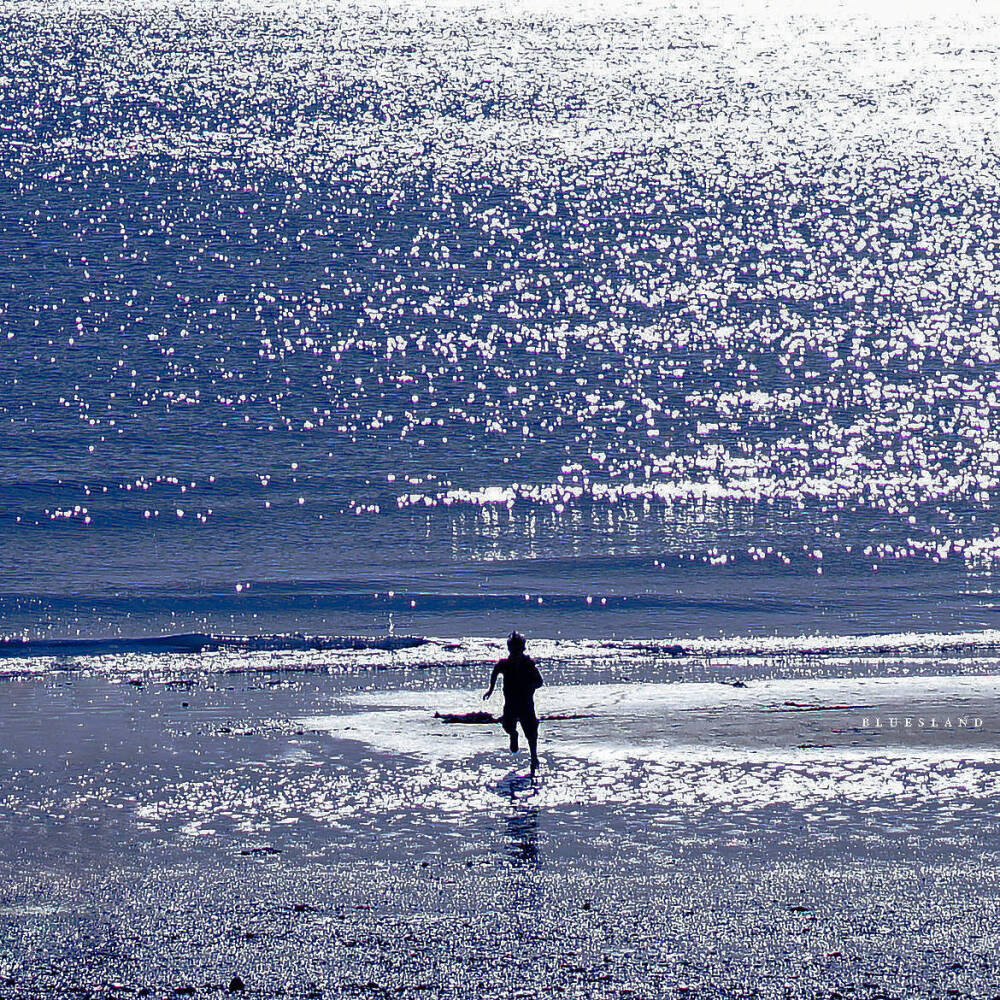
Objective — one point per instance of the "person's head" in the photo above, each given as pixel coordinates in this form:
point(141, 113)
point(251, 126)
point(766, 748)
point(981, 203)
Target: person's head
point(515, 643)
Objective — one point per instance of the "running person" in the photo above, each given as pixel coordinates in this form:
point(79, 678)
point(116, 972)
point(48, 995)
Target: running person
point(520, 681)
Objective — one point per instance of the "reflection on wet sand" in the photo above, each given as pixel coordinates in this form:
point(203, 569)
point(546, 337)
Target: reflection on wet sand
point(521, 821)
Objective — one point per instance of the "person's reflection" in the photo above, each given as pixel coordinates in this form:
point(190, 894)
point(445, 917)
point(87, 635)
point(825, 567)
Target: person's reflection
point(522, 836)
point(521, 845)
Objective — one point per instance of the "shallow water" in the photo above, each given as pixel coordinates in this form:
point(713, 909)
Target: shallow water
point(625, 321)
point(317, 830)
point(360, 761)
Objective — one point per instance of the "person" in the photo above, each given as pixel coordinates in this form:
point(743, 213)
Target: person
point(521, 680)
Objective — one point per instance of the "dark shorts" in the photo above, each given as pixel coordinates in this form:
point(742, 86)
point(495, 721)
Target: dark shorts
point(523, 712)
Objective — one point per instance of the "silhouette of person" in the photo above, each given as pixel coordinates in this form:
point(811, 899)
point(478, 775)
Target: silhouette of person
point(521, 680)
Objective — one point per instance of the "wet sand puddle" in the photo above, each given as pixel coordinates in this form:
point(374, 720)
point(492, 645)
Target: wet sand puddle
point(833, 754)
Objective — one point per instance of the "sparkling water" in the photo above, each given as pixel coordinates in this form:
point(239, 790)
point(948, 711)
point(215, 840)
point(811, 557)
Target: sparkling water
point(593, 320)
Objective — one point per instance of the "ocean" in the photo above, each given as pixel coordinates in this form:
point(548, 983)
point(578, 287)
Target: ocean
point(604, 323)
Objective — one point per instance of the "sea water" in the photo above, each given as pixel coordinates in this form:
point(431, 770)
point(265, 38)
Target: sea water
point(600, 321)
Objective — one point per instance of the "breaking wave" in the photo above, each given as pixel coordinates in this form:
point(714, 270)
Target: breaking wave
point(199, 642)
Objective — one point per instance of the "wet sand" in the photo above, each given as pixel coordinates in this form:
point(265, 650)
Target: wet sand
point(325, 835)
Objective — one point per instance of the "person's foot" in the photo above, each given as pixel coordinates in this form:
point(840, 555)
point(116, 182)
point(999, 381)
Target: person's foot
point(513, 742)
point(534, 764)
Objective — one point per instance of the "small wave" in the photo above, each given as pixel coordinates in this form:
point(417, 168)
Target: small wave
point(200, 642)
point(820, 645)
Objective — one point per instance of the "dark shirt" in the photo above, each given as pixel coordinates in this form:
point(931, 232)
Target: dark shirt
point(520, 677)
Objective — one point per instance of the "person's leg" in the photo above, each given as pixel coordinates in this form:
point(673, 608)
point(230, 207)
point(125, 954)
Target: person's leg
point(509, 723)
point(529, 723)
point(532, 735)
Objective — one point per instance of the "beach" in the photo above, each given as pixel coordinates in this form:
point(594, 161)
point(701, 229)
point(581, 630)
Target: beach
point(320, 833)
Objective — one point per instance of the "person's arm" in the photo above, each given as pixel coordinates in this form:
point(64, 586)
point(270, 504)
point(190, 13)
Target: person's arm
point(493, 682)
point(536, 677)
